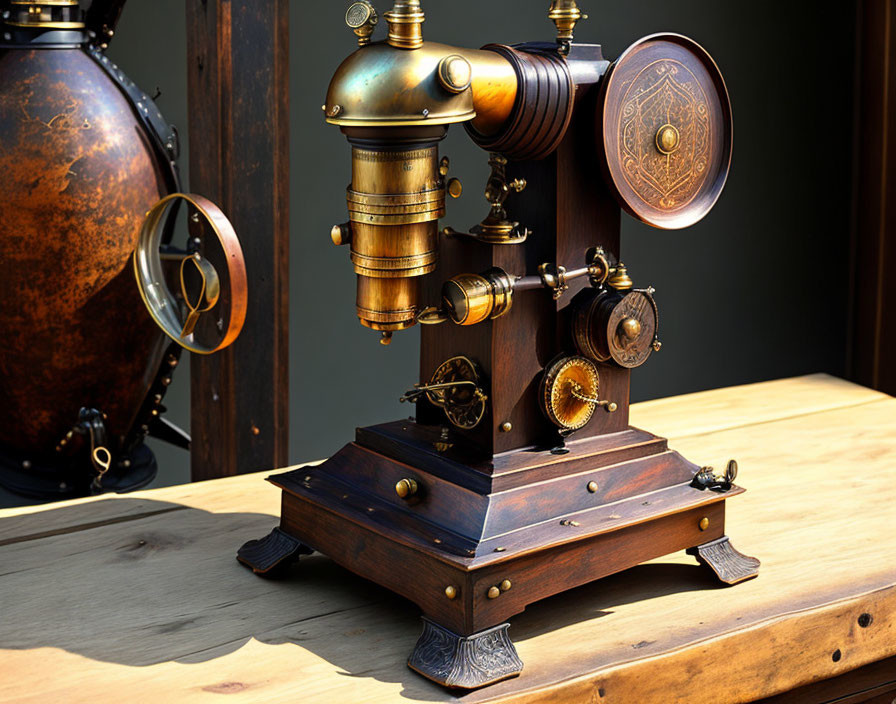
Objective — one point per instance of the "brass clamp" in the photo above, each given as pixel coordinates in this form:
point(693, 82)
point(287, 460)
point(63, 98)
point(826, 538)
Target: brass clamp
point(707, 478)
point(649, 291)
point(497, 228)
point(557, 278)
point(554, 277)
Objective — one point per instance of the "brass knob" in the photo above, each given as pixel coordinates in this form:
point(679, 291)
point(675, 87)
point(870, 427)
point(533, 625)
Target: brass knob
point(455, 73)
point(451, 591)
point(341, 234)
point(704, 523)
point(405, 488)
point(494, 593)
point(592, 487)
point(506, 426)
point(455, 188)
point(505, 585)
point(630, 327)
point(667, 139)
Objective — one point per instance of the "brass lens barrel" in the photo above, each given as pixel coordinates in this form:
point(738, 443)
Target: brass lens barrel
point(395, 201)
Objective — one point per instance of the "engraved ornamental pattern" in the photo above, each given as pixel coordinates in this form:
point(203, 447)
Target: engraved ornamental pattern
point(665, 93)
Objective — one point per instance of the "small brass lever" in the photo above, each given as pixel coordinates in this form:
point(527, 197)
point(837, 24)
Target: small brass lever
point(419, 390)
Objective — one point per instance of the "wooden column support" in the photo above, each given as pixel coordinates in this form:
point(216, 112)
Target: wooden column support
point(872, 341)
point(238, 55)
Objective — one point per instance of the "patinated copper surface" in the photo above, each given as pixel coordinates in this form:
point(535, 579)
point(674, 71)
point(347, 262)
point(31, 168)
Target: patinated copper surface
point(78, 177)
point(664, 120)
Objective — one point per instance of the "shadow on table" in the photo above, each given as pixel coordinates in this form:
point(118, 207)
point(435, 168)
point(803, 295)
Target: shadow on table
point(149, 582)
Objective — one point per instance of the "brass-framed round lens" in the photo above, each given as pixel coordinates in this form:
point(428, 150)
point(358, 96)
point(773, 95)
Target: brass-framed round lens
point(176, 321)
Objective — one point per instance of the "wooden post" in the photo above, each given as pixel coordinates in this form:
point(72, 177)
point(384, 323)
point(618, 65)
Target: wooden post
point(238, 81)
point(872, 341)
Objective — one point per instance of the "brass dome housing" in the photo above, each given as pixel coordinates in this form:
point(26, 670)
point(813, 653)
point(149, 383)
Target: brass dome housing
point(382, 86)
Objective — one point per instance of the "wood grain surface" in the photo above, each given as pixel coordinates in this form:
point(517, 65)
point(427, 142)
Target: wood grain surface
point(140, 596)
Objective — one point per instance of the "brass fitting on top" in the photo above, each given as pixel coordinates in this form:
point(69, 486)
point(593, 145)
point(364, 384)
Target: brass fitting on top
point(406, 24)
point(565, 14)
point(361, 17)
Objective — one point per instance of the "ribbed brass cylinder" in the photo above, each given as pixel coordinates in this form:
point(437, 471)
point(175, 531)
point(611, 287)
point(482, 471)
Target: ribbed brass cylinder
point(394, 203)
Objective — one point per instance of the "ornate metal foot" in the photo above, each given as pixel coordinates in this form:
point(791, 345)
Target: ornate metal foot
point(465, 662)
point(729, 565)
point(270, 556)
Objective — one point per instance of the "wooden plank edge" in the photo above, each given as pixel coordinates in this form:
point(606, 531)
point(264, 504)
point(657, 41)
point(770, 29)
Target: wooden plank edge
point(768, 658)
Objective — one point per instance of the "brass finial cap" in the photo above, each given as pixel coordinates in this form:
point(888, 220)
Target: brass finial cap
point(406, 24)
point(620, 279)
point(565, 14)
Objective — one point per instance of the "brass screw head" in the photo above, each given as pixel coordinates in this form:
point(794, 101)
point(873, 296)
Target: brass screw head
point(451, 591)
point(506, 426)
point(494, 593)
point(455, 188)
point(505, 585)
point(704, 523)
point(592, 487)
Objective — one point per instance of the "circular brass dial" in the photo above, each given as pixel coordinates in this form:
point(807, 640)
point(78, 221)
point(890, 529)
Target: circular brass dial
point(569, 392)
point(464, 405)
point(613, 327)
point(664, 131)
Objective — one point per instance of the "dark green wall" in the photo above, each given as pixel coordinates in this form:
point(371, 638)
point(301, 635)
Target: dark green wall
point(755, 291)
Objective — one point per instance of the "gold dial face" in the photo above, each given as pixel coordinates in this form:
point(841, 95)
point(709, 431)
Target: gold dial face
point(570, 392)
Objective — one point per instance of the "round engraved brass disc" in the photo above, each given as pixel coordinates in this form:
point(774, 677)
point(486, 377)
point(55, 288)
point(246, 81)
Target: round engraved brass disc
point(569, 392)
point(631, 329)
point(664, 131)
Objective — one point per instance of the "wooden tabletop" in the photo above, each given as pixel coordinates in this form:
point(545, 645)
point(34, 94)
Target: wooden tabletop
point(139, 597)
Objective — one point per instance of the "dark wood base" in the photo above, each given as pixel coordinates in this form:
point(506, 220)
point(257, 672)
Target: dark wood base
point(476, 544)
point(465, 662)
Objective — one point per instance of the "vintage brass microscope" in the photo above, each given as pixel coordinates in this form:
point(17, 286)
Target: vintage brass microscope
point(520, 476)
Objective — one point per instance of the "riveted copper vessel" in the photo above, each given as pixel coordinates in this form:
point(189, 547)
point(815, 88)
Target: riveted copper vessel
point(80, 171)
